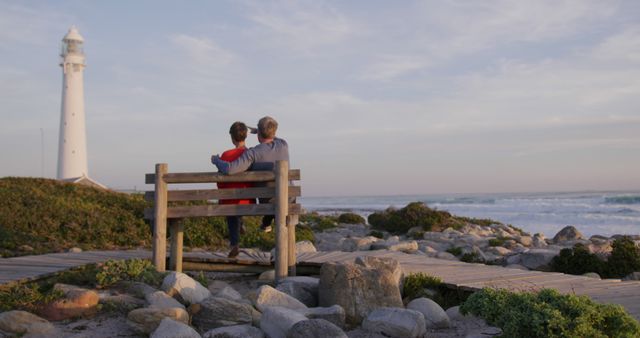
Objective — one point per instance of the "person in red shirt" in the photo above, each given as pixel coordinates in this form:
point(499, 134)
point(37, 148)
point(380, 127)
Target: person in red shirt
point(238, 132)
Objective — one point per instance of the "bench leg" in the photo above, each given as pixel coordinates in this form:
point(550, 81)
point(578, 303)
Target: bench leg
point(177, 235)
point(292, 221)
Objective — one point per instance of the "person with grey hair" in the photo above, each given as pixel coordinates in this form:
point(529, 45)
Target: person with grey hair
point(262, 157)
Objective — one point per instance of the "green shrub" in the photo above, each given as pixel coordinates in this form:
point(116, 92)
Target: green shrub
point(418, 235)
point(418, 214)
point(319, 222)
point(113, 271)
point(624, 258)
point(496, 241)
point(415, 284)
point(471, 257)
point(549, 314)
point(376, 234)
point(456, 251)
point(27, 297)
point(351, 218)
point(577, 261)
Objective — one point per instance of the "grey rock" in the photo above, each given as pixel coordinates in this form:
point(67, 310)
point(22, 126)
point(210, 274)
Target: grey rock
point(409, 246)
point(498, 250)
point(434, 315)
point(216, 285)
point(215, 312)
point(75, 250)
point(446, 255)
point(334, 314)
point(361, 333)
point(359, 287)
point(19, 322)
point(632, 276)
point(161, 300)
point(304, 289)
point(315, 328)
point(268, 296)
point(305, 246)
point(277, 321)
point(268, 275)
point(235, 331)
point(229, 293)
point(170, 328)
point(395, 322)
point(537, 258)
point(568, 233)
point(539, 241)
point(525, 240)
point(188, 288)
point(146, 320)
point(514, 259)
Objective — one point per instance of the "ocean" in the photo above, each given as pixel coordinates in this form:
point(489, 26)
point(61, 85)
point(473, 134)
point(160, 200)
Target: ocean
point(592, 213)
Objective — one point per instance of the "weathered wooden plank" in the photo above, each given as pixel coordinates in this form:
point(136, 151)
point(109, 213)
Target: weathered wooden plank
point(218, 194)
point(213, 177)
point(210, 210)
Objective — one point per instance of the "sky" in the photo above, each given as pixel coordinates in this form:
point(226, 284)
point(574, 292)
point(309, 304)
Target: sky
point(373, 97)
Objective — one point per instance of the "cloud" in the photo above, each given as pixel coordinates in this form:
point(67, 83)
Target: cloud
point(202, 51)
point(392, 66)
point(301, 26)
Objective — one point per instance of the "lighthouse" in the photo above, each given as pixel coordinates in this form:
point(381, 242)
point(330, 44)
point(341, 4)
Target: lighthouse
point(72, 144)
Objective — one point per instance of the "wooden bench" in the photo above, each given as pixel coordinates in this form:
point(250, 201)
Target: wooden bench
point(277, 188)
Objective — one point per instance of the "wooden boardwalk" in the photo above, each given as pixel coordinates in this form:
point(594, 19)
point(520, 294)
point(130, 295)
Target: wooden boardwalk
point(465, 276)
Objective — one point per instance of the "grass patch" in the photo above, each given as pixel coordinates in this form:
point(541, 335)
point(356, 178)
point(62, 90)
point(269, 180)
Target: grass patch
point(418, 214)
point(471, 257)
point(27, 297)
point(549, 314)
point(415, 284)
point(456, 251)
point(319, 222)
point(497, 241)
point(376, 234)
point(351, 218)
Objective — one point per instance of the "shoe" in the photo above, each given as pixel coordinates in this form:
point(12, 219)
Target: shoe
point(266, 229)
point(234, 252)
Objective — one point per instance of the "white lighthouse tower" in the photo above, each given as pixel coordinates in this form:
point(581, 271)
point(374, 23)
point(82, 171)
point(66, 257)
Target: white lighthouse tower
point(72, 146)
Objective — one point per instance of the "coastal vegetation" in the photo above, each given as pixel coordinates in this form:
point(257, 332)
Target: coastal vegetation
point(548, 313)
point(42, 215)
point(418, 214)
point(623, 260)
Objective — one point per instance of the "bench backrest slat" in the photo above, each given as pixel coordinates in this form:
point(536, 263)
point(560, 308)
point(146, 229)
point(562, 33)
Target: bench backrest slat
point(217, 194)
point(211, 177)
point(223, 210)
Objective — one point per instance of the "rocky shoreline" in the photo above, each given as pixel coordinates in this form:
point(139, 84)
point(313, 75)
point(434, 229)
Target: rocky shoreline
point(495, 244)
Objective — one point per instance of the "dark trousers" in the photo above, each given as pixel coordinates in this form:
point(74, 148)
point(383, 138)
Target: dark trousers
point(233, 224)
point(267, 219)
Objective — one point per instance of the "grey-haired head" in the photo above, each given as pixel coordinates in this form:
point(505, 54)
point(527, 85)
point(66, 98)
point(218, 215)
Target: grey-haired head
point(267, 127)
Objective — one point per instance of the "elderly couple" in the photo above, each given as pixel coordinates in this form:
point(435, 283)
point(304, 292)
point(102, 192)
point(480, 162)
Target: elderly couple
point(262, 157)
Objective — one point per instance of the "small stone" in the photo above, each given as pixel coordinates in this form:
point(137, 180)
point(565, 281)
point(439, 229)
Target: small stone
point(75, 249)
point(434, 315)
point(268, 275)
point(315, 328)
point(170, 328)
point(395, 322)
point(410, 246)
point(235, 331)
point(77, 302)
point(161, 300)
point(25, 248)
point(268, 296)
point(592, 275)
point(20, 322)
point(146, 320)
point(188, 288)
point(215, 312)
point(334, 314)
point(276, 321)
point(229, 293)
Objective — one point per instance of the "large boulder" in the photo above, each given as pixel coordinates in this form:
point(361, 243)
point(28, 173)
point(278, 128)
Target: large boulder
point(538, 259)
point(170, 328)
point(395, 323)
point(315, 328)
point(21, 322)
point(268, 296)
point(276, 321)
point(162, 300)
point(229, 293)
point(304, 289)
point(568, 233)
point(235, 331)
point(77, 302)
point(146, 320)
point(334, 314)
point(434, 315)
point(188, 288)
point(305, 246)
point(215, 312)
point(367, 284)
